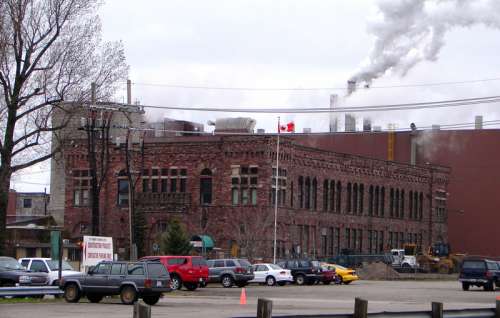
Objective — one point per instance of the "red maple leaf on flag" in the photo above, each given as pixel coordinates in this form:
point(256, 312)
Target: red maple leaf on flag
point(289, 127)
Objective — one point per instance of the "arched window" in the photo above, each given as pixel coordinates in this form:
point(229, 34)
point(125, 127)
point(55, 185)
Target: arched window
point(361, 198)
point(206, 187)
point(416, 205)
point(355, 198)
point(326, 192)
point(402, 212)
point(308, 193)
point(301, 192)
point(370, 201)
point(410, 204)
point(377, 200)
point(332, 195)
point(339, 196)
point(382, 202)
point(391, 203)
point(314, 195)
point(349, 197)
point(396, 204)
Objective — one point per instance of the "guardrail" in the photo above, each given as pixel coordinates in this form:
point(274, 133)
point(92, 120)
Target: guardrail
point(30, 291)
point(265, 306)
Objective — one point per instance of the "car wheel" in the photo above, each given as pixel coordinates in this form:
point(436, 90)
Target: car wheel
point(72, 293)
point(190, 286)
point(94, 298)
point(151, 299)
point(281, 283)
point(128, 295)
point(300, 280)
point(348, 282)
point(465, 286)
point(489, 286)
point(270, 281)
point(227, 281)
point(175, 282)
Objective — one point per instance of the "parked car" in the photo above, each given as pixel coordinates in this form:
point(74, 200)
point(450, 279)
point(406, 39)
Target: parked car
point(479, 272)
point(143, 279)
point(51, 267)
point(327, 275)
point(230, 272)
point(190, 271)
point(344, 275)
point(303, 271)
point(271, 274)
point(14, 274)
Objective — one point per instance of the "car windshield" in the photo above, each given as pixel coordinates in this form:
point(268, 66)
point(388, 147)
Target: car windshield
point(9, 264)
point(275, 266)
point(474, 265)
point(54, 265)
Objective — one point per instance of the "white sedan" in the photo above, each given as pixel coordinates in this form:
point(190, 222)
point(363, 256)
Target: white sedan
point(271, 274)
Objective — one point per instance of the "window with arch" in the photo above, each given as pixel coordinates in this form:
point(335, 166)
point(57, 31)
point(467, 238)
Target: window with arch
point(382, 201)
point(301, 192)
point(396, 204)
point(361, 199)
point(402, 212)
point(355, 198)
point(326, 193)
point(391, 203)
point(314, 194)
point(349, 197)
point(206, 187)
point(339, 196)
point(308, 193)
point(377, 200)
point(410, 204)
point(370, 201)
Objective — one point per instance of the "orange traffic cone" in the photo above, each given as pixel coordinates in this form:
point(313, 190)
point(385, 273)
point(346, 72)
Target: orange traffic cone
point(243, 297)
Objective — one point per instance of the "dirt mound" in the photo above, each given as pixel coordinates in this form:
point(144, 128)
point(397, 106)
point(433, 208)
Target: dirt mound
point(377, 271)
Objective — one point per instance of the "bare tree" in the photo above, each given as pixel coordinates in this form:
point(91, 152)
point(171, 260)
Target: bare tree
point(50, 52)
point(252, 228)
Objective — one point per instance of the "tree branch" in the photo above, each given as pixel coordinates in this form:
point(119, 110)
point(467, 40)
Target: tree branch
point(34, 161)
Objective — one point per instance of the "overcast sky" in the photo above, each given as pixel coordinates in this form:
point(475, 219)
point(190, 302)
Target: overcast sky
point(286, 44)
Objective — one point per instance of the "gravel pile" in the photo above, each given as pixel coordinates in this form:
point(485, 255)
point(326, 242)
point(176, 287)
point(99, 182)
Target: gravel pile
point(377, 271)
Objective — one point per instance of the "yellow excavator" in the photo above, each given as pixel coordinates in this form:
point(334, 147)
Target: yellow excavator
point(437, 259)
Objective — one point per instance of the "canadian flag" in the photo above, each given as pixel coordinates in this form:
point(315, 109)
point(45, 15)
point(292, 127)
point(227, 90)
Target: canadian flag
point(289, 127)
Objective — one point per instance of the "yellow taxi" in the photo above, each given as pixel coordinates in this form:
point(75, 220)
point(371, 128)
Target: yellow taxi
point(345, 275)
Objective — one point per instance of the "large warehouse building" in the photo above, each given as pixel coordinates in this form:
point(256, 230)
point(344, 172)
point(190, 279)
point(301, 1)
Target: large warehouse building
point(224, 186)
point(474, 159)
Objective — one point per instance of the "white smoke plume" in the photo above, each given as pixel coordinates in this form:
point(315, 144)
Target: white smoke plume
point(411, 31)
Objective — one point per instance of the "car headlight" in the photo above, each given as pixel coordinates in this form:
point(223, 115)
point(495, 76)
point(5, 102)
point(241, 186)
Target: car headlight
point(24, 279)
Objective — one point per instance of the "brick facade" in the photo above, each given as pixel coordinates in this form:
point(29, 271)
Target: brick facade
point(239, 214)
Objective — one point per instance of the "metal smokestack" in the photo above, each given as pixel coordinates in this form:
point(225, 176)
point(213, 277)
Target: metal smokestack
point(367, 124)
point(333, 118)
point(350, 123)
point(351, 87)
point(478, 122)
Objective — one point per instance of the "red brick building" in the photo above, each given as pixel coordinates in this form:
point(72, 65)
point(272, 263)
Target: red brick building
point(224, 186)
point(473, 156)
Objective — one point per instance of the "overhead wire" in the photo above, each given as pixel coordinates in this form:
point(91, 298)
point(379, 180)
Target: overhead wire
point(180, 86)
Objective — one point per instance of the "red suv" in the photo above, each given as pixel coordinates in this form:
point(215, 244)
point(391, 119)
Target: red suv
point(190, 271)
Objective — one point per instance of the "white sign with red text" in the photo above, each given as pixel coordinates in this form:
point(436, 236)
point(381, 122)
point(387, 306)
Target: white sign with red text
point(96, 249)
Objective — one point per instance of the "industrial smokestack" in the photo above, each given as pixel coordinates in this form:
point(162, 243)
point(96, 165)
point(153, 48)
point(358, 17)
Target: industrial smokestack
point(367, 124)
point(351, 86)
point(350, 123)
point(333, 118)
point(478, 122)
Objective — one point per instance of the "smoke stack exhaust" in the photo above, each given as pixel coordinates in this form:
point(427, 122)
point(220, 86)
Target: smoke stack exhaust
point(478, 122)
point(351, 87)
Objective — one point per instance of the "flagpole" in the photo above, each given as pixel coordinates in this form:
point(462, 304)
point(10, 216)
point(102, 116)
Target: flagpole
point(276, 190)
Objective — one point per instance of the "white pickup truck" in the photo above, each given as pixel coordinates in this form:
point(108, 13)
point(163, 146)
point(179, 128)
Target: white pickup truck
point(401, 260)
point(46, 265)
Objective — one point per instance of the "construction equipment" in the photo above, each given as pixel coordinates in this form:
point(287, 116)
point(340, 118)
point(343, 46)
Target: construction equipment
point(437, 259)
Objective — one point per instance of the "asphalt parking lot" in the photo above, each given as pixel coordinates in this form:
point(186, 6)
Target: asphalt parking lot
point(215, 301)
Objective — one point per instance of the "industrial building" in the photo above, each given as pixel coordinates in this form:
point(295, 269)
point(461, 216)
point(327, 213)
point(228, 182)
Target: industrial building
point(224, 186)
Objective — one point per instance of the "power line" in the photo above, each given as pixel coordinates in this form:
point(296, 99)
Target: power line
point(350, 109)
point(180, 86)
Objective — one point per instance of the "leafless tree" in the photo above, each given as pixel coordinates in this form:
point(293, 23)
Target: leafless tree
point(50, 52)
point(253, 228)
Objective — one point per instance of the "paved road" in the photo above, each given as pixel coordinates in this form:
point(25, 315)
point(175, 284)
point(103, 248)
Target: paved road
point(220, 302)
